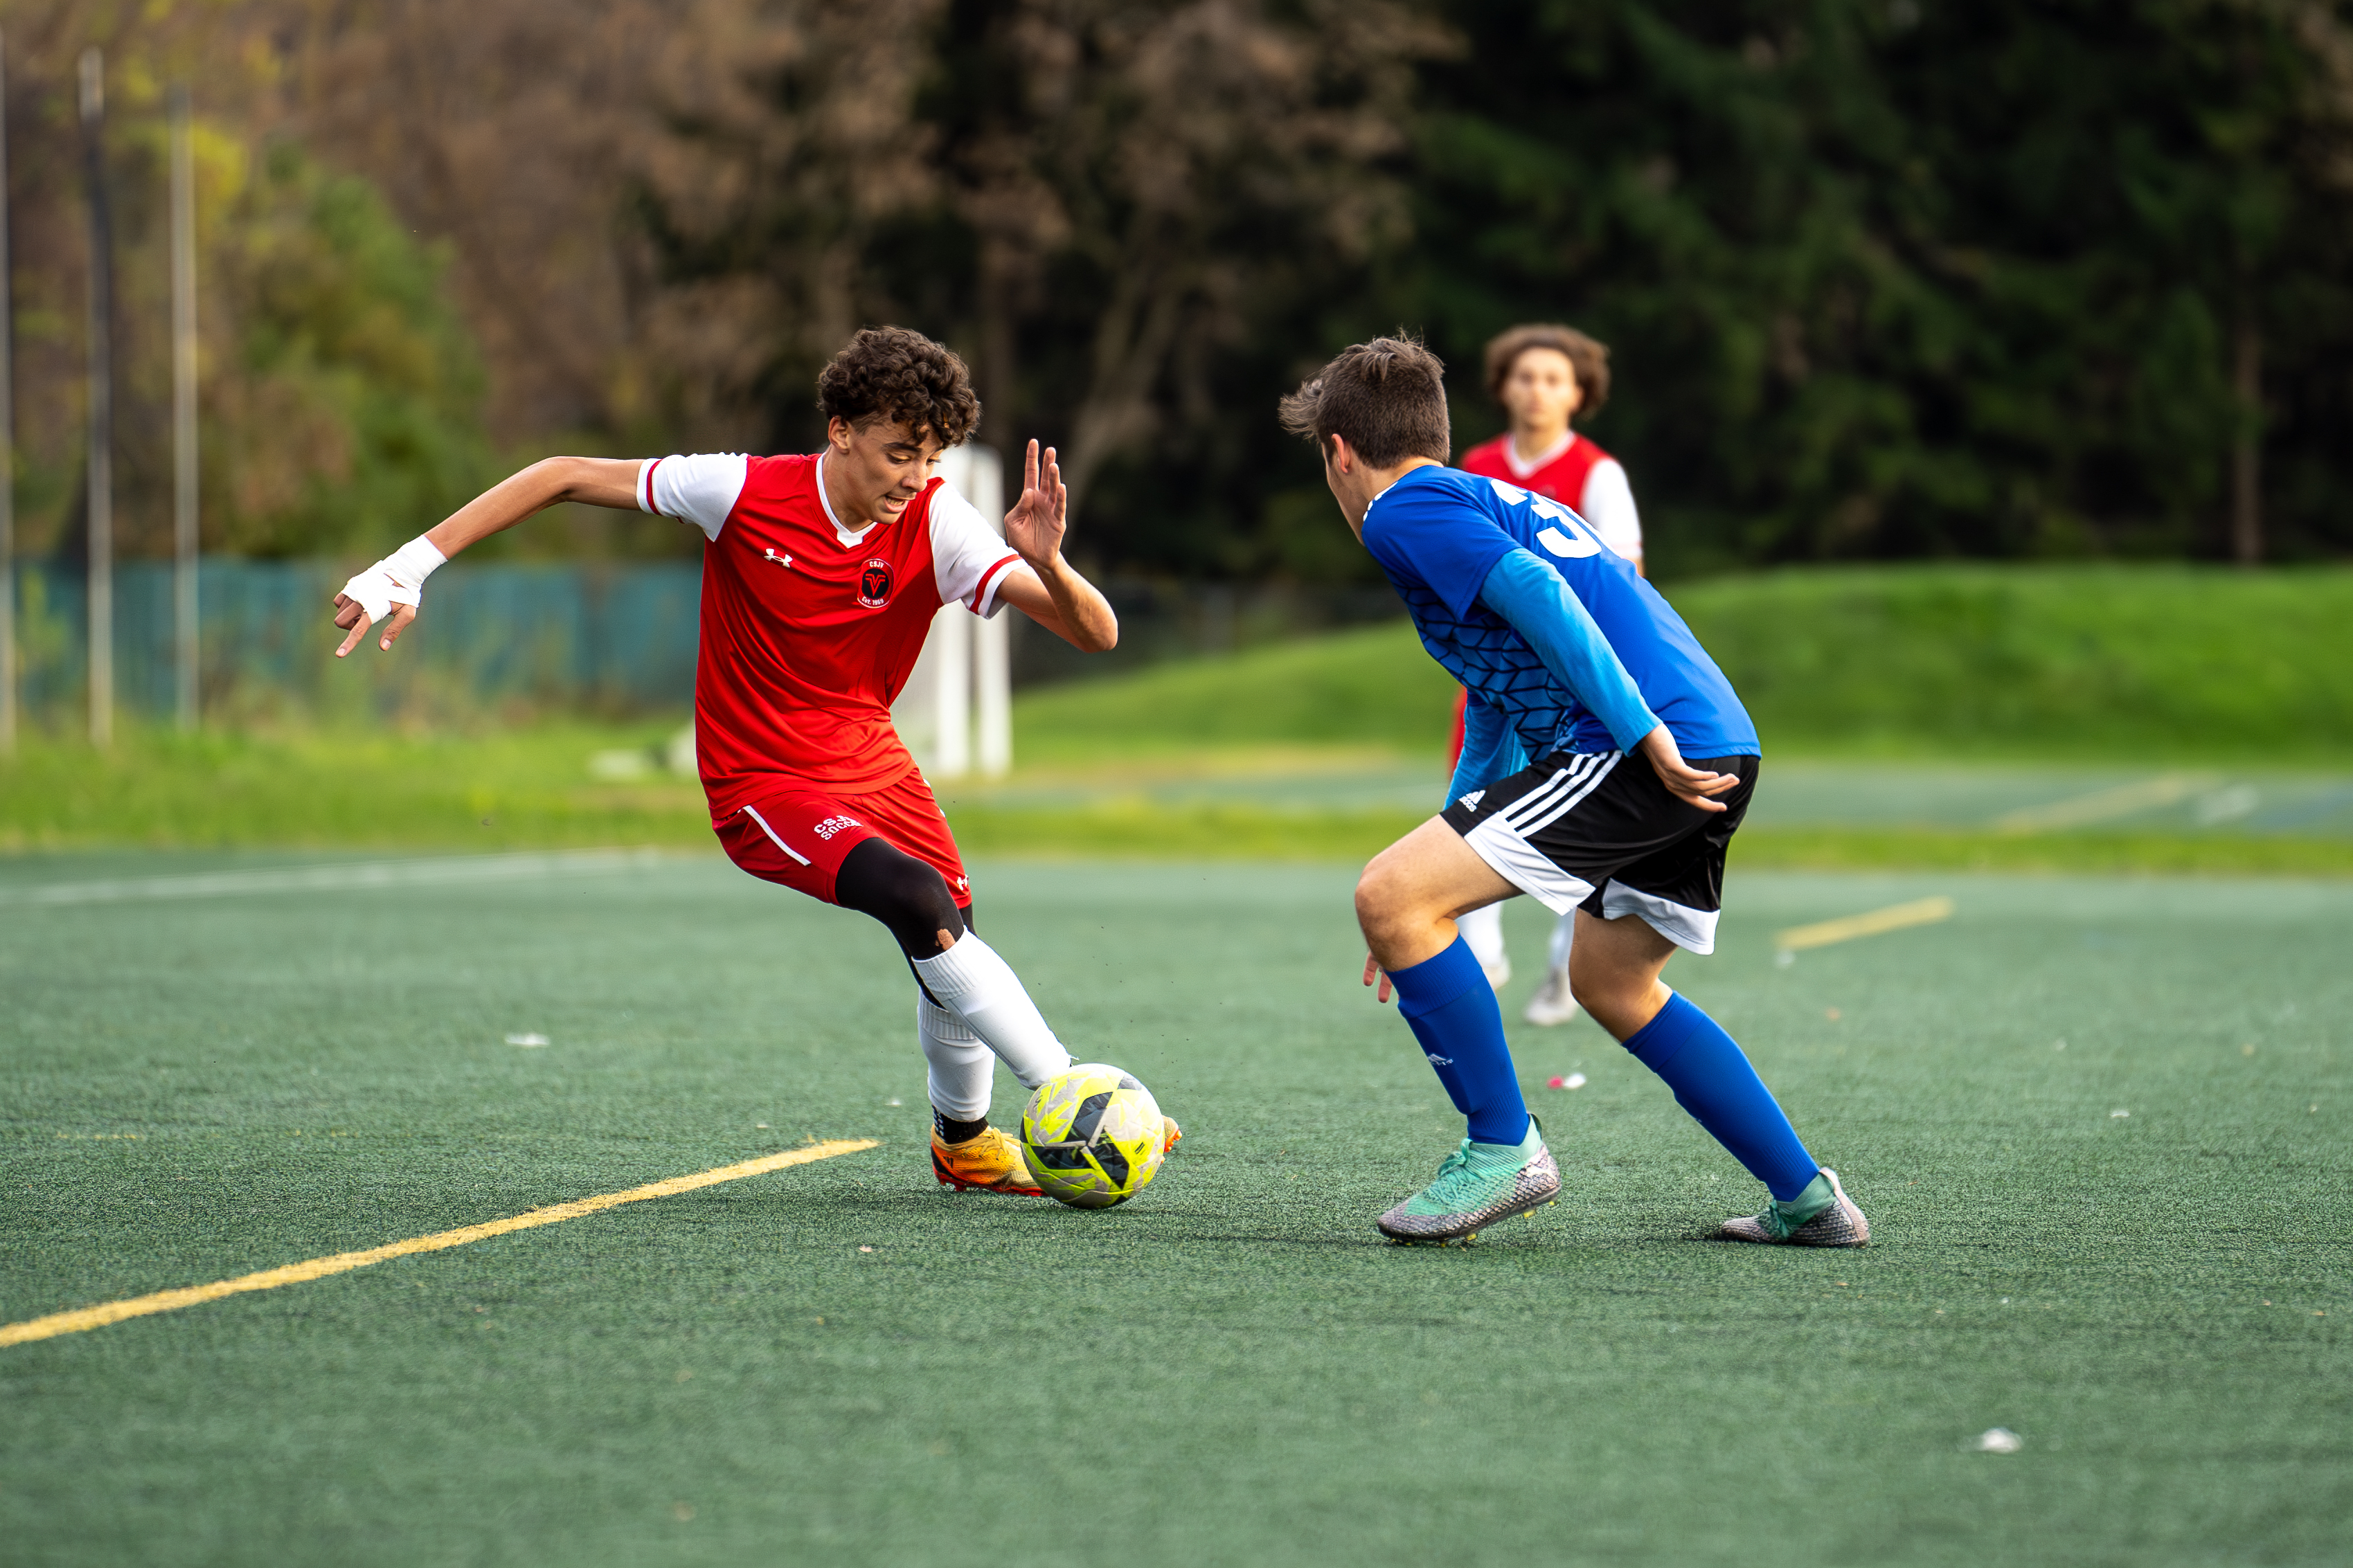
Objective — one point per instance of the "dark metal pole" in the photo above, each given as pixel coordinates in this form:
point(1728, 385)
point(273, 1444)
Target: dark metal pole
point(101, 402)
point(183, 409)
point(7, 443)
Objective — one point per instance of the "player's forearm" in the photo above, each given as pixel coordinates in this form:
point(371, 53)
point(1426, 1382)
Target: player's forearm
point(1538, 604)
point(1088, 620)
point(599, 481)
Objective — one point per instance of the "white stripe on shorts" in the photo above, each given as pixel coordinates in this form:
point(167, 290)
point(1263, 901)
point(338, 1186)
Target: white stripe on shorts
point(1689, 929)
point(772, 834)
point(1502, 839)
point(1525, 867)
point(1587, 783)
point(1562, 781)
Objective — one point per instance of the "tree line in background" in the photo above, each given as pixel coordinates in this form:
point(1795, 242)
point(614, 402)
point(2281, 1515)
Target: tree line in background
point(1883, 278)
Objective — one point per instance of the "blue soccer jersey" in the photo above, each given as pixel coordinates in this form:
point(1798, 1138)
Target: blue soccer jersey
point(1438, 533)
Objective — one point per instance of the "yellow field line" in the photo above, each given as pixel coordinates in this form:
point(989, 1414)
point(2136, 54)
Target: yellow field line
point(1894, 917)
point(88, 1318)
point(2106, 805)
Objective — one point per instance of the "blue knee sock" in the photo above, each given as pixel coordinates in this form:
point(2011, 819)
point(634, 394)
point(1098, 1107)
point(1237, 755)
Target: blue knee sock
point(1452, 1012)
point(1713, 1080)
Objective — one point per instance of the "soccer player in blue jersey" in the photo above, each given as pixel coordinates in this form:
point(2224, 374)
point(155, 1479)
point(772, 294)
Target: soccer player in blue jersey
point(1570, 657)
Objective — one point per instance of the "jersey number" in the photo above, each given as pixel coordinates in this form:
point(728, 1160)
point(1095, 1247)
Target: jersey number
point(1574, 544)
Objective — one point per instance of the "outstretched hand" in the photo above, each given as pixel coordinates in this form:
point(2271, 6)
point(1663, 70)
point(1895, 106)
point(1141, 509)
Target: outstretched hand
point(1039, 520)
point(1685, 783)
point(349, 614)
point(1372, 968)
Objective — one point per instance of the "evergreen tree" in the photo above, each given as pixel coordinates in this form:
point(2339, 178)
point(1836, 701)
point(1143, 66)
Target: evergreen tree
point(2003, 279)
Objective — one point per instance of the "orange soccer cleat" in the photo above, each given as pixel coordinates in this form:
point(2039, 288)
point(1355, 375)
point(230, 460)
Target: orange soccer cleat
point(1175, 1133)
point(991, 1163)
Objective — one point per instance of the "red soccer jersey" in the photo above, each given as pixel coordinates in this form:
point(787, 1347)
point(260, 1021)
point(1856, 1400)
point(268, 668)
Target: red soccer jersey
point(1577, 474)
point(809, 629)
point(1561, 480)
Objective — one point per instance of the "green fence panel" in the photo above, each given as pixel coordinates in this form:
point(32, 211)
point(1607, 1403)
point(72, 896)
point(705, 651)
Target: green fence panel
point(494, 639)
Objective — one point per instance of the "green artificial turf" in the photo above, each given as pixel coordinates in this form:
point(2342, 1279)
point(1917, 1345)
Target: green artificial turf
point(1228, 1370)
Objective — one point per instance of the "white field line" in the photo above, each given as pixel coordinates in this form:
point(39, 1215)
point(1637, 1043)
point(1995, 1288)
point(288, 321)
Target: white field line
point(440, 871)
point(1894, 917)
point(2104, 806)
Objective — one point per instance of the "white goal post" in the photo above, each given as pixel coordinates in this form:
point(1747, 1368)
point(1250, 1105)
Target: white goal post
point(957, 707)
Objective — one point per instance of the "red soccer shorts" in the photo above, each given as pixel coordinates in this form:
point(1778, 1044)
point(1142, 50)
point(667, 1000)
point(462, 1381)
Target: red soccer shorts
point(799, 836)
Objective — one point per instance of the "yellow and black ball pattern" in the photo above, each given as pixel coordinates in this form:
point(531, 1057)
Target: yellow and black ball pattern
point(1093, 1136)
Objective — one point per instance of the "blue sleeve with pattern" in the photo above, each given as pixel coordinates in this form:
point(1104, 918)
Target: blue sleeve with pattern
point(1431, 532)
point(1539, 605)
point(1491, 751)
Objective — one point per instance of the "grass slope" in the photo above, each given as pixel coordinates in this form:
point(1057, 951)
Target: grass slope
point(2095, 661)
point(2124, 661)
point(500, 789)
point(2155, 667)
point(1370, 687)
point(1229, 1369)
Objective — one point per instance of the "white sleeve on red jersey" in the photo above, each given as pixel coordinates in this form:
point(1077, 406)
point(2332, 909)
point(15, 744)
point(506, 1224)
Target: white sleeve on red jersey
point(1609, 505)
point(967, 556)
point(701, 488)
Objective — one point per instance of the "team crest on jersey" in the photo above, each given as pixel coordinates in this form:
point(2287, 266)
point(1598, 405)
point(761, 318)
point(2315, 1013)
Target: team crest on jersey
point(874, 584)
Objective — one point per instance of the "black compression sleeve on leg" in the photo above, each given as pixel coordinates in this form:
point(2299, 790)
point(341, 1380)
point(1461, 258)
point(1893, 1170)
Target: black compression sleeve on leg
point(970, 924)
point(902, 892)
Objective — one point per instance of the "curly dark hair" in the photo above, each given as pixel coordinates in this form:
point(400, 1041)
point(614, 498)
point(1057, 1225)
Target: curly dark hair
point(1387, 398)
point(1589, 357)
point(890, 372)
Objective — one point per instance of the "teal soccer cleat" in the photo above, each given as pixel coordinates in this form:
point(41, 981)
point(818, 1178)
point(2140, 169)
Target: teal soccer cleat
point(1821, 1215)
point(1477, 1184)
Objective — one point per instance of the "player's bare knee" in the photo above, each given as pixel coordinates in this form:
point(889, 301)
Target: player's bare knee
point(1372, 901)
point(1383, 904)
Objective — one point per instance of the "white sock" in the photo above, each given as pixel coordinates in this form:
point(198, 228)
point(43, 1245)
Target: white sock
point(1563, 931)
point(972, 982)
point(1482, 929)
point(961, 1066)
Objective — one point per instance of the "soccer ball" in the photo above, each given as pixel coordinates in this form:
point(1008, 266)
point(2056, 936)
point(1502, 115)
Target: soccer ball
point(1093, 1135)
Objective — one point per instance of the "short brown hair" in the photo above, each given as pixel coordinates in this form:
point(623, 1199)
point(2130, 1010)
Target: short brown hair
point(890, 372)
point(1386, 398)
point(1589, 357)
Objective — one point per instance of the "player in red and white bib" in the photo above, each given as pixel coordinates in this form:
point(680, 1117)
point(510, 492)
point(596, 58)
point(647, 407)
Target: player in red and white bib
point(821, 575)
point(1545, 376)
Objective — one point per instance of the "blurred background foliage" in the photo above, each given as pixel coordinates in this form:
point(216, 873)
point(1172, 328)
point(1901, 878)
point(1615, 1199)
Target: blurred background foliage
point(1885, 278)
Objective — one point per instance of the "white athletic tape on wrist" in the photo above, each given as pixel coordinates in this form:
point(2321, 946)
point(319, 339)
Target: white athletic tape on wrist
point(397, 579)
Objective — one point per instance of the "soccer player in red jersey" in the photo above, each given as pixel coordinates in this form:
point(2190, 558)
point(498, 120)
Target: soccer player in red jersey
point(1548, 376)
point(820, 577)
point(1545, 376)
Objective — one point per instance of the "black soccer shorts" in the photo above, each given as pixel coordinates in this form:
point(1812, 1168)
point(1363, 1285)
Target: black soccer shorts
point(1598, 832)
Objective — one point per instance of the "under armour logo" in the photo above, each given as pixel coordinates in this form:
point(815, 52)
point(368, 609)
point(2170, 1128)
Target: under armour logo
point(779, 559)
point(1436, 1060)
